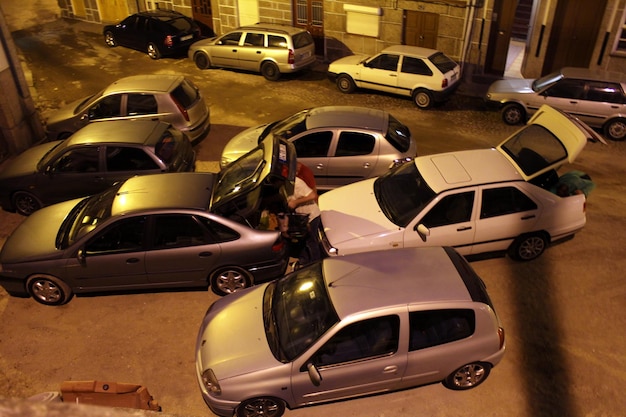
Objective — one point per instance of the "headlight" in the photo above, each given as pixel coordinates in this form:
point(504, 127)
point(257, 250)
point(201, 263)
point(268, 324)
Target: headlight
point(210, 382)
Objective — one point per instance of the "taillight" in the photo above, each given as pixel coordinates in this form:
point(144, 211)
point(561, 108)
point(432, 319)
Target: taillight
point(444, 83)
point(181, 108)
point(169, 41)
point(292, 57)
point(585, 206)
point(278, 245)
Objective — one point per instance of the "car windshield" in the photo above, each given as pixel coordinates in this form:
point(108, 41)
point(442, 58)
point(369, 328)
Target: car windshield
point(45, 161)
point(534, 149)
point(236, 177)
point(545, 81)
point(398, 134)
point(402, 193)
point(442, 62)
point(297, 311)
point(86, 103)
point(289, 127)
point(86, 216)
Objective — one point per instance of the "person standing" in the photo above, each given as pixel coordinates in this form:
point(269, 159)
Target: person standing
point(304, 201)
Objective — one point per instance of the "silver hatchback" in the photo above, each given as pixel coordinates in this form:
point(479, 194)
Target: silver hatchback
point(346, 327)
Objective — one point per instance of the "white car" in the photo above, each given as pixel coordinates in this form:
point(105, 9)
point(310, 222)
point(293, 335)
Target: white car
point(484, 200)
point(425, 75)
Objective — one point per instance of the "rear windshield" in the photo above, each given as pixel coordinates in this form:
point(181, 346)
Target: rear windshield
point(398, 134)
point(181, 24)
point(186, 93)
point(302, 39)
point(169, 145)
point(442, 62)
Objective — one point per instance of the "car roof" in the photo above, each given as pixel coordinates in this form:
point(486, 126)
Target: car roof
point(363, 281)
point(145, 83)
point(348, 116)
point(593, 74)
point(417, 51)
point(162, 13)
point(273, 27)
point(182, 190)
point(138, 132)
point(450, 170)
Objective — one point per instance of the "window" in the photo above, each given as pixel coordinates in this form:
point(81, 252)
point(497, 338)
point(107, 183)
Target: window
point(313, 145)
point(141, 104)
point(122, 158)
point(412, 65)
point(217, 231)
point(385, 62)
point(567, 88)
point(354, 144)
point(453, 208)
point(254, 39)
point(366, 339)
point(605, 92)
point(230, 39)
point(78, 160)
point(432, 328)
point(178, 230)
point(275, 41)
point(505, 200)
point(620, 40)
point(126, 235)
point(109, 106)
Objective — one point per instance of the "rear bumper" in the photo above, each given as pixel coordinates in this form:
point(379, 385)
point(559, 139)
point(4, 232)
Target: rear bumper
point(197, 133)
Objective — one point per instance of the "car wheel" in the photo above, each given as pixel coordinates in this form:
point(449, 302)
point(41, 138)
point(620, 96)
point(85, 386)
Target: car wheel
point(528, 247)
point(202, 60)
point(467, 376)
point(513, 114)
point(109, 39)
point(423, 98)
point(49, 290)
point(26, 203)
point(153, 51)
point(615, 129)
point(231, 279)
point(345, 84)
point(257, 407)
point(270, 71)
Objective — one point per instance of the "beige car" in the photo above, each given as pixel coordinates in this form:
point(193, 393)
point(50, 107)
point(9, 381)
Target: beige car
point(270, 49)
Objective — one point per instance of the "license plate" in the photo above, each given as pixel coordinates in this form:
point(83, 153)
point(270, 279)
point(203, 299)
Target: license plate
point(453, 77)
point(186, 38)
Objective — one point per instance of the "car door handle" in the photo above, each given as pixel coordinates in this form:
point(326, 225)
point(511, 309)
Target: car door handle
point(319, 166)
point(461, 229)
point(205, 254)
point(391, 369)
point(132, 260)
point(393, 75)
point(259, 52)
point(234, 50)
point(366, 165)
point(531, 216)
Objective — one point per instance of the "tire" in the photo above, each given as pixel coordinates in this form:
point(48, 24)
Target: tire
point(423, 98)
point(25, 203)
point(153, 51)
point(345, 84)
point(202, 60)
point(49, 290)
point(270, 71)
point(229, 280)
point(467, 376)
point(615, 129)
point(261, 407)
point(513, 114)
point(109, 39)
point(528, 247)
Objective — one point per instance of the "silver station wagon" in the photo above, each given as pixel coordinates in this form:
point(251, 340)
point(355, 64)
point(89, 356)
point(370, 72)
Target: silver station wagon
point(349, 326)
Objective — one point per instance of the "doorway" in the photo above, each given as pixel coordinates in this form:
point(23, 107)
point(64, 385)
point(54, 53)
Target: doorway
point(309, 14)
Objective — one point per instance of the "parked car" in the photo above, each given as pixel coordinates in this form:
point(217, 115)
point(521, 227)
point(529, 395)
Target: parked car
point(158, 33)
point(483, 200)
point(346, 327)
point(91, 160)
point(270, 49)
point(172, 98)
point(596, 97)
point(425, 75)
point(175, 230)
point(341, 144)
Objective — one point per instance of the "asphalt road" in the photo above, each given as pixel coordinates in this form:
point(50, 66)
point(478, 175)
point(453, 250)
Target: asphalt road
point(563, 312)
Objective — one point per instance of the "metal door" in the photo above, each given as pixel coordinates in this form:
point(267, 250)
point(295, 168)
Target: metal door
point(420, 29)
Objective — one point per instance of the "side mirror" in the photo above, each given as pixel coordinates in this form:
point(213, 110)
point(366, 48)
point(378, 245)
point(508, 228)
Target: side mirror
point(85, 117)
point(314, 374)
point(423, 231)
point(81, 255)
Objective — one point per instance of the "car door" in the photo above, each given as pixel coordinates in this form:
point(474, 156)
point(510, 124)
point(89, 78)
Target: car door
point(225, 51)
point(123, 162)
point(108, 107)
point(380, 73)
point(113, 258)
point(603, 99)
point(361, 358)
point(182, 252)
point(133, 33)
point(414, 72)
point(564, 95)
point(312, 149)
point(252, 51)
point(140, 106)
point(354, 157)
point(448, 220)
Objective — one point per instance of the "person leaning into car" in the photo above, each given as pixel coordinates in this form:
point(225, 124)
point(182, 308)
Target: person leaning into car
point(304, 201)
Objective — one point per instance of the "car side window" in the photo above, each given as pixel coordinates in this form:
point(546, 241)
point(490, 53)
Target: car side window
point(126, 235)
point(125, 158)
point(605, 92)
point(254, 39)
point(230, 39)
point(363, 340)
point(504, 200)
point(177, 231)
point(417, 66)
point(354, 144)
point(453, 208)
point(387, 62)
point(218, 232)
point(275, 41)
point(139, 104)
point(567, 88)
point(313, 145)
point(109, 106)
point(436, 327)
point(78, 160)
